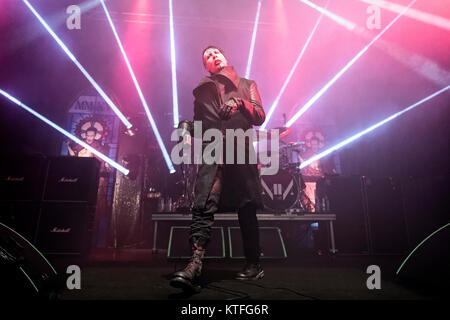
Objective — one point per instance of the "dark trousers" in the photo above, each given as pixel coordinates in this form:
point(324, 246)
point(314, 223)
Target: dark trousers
point(203, 219)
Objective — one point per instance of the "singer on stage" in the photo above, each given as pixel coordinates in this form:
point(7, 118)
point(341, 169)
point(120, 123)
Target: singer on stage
point(223, 101)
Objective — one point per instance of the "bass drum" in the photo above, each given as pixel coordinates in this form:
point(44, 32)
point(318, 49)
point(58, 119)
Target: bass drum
point(280, 192)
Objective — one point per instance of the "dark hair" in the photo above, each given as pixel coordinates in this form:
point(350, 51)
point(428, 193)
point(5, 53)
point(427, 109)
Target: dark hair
point(92, 129)
point(209, 47)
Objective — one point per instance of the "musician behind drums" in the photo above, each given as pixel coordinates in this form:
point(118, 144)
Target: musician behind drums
point(223, 100)
point(316, 170)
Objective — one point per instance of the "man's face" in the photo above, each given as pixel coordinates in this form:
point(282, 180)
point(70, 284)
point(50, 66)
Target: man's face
point(90, 135)
point(214, 60)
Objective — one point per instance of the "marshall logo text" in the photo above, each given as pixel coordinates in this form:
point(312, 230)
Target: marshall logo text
point(9, 178)
point(68, 180)
point(60, 230)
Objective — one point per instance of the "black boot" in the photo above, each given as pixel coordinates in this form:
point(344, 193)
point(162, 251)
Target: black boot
point(187, 279)
point(251, 271)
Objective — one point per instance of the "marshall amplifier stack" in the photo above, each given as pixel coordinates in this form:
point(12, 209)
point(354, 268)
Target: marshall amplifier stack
point(21, 184)
point(50, 201)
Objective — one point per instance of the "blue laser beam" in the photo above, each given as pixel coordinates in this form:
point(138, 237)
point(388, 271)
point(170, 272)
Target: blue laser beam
point(342, 21)
point(277, 99)
point(77, 63)
point(425, 17)
point(343, 70)
point(114, 164)
point(173, 60)
point(369, 129)
point(252, 44)
point(139, 91)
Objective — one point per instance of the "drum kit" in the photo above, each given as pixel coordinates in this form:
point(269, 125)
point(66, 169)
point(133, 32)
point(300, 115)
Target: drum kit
point(282, 193)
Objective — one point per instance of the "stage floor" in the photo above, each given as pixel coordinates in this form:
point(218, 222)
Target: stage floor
point(137, 274)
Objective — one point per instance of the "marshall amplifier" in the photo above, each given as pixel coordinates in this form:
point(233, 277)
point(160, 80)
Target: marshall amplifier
point(65, 228)
point(22, 178)
point(72, 179)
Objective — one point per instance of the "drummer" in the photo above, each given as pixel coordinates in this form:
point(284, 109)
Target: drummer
point(316, 170)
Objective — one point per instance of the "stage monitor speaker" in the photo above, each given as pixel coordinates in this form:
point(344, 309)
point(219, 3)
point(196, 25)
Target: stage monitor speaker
point(387, 227)
point(65, 228)
point(22, 178)
point(270, 240)
point(72, 179)
point(24, 271)
point(427, 266)
point(347, 201)
point(22, 217)
point(180, 248)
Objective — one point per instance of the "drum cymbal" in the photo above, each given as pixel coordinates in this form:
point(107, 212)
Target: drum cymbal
point(296, 144)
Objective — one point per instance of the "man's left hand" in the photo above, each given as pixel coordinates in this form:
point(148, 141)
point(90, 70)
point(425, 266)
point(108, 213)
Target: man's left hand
point(229, 108)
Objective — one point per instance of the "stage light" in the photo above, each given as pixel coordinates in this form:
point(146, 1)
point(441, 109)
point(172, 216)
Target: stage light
point(277, 99)
point(342, 21)
point(252, 45)
point(141, 95)
point(428, 18)
point(74, 60)
point(114, 164)
point(173, 60)
point(343, 70)
point(369, 129)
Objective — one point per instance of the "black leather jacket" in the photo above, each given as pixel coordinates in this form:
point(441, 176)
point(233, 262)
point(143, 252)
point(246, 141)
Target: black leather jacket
point(241, 183)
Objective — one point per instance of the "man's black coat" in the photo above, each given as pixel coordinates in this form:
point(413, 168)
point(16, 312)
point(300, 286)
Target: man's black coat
point(240, 182)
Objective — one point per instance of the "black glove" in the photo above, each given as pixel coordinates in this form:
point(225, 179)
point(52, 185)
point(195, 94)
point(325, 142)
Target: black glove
point(229, 108)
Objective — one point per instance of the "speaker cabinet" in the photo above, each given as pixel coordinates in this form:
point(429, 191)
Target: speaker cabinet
point(346, 198)
point(22, 178)
point(72, 179)
point(270, 240)
point(65, 228)
point(427, 268)
point(387, 227)
point(179, 246)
